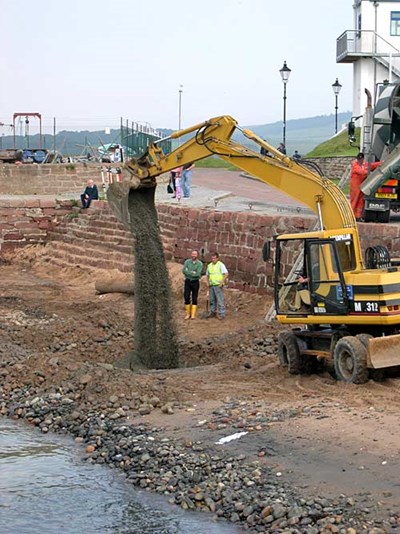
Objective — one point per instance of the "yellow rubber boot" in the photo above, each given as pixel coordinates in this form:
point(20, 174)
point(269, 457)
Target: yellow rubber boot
point(194, 310)
point(187, 308)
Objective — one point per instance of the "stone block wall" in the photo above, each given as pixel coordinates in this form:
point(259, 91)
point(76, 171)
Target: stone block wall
point(92, 238)
point(48, 179)
point(95, 238)
point(238, 237)
point(334, 167)
point(28, 221)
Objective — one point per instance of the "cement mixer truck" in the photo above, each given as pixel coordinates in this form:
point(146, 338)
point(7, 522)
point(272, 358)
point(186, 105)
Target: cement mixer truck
point(380, 140)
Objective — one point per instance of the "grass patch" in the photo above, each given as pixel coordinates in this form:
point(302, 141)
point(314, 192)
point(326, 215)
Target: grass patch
point(337, 146)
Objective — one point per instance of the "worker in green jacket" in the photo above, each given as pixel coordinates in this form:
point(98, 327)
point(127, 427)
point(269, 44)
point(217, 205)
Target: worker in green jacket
point(192, 269)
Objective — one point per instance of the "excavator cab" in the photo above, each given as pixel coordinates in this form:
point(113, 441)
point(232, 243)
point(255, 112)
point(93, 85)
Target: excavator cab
point(318, 286)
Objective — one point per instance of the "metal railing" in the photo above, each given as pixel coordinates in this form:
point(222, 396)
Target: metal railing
point(366, 43)
point(136, 137)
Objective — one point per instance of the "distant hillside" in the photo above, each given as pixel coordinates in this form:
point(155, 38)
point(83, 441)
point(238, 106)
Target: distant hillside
point(301, 134)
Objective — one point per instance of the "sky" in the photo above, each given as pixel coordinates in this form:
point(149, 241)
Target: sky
point(90, 62)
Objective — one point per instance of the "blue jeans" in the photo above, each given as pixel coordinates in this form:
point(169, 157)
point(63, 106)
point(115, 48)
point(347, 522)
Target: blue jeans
point(186, 179)
point(217, 300)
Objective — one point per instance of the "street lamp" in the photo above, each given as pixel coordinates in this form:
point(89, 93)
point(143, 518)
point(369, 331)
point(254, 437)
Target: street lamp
point(285, 73)
point(180, 107)
point(336, 89)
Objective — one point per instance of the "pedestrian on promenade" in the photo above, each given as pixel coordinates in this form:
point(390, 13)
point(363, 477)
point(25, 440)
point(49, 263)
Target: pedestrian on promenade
point(91, 193)
point(282, 148)
point(172, 180)
point(217, 275)
point(192, 269)
point(187, 178)
point(178, 187)
point(296, 156)
point(359, 171)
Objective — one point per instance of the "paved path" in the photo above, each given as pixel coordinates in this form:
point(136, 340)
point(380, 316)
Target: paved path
point(226, 190)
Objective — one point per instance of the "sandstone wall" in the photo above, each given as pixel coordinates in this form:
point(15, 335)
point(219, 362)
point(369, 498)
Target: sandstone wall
point(29, 221)
point(32, 179)
point(95, 238)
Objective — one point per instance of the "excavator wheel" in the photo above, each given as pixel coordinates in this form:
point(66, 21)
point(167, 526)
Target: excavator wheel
point(364, 338)
point(289, 353)
point(377, 375)
point(350, 360)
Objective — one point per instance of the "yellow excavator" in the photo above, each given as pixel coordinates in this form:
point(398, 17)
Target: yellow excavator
point(351, 315)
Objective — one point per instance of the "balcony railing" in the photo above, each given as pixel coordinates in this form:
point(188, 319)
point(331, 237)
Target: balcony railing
point(353, 44)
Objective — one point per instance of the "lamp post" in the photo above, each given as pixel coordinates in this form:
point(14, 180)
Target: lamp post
point(180, 107)
point(285, 73)
point(336, 90)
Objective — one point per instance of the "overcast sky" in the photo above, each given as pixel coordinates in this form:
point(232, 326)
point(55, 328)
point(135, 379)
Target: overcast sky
point(89, 62)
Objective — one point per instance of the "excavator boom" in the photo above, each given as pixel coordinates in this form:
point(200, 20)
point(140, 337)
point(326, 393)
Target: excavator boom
point(214, 137)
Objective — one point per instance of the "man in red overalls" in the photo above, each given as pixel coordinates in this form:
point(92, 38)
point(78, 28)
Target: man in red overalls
point(359, 171)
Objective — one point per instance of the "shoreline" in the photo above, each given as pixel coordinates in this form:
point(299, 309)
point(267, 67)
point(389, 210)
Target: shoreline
point(194, 475)
point(334, 445)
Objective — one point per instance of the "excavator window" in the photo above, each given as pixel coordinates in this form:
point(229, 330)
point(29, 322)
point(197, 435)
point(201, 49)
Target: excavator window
point(325, 278)
point(347, 259)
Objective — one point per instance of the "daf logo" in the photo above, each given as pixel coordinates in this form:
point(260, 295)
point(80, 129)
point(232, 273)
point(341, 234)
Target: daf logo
point(377, 206)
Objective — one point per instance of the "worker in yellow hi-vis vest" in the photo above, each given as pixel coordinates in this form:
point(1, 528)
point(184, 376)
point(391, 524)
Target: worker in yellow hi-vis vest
point(217, 275)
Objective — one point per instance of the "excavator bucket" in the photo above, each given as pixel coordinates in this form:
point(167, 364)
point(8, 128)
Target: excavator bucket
point(384, 351)
point(139, 183)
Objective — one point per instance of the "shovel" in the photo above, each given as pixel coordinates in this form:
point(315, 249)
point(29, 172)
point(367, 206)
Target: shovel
point(205, 313)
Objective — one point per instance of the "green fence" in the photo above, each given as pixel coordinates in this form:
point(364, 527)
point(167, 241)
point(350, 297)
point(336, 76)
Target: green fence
point(136, 137)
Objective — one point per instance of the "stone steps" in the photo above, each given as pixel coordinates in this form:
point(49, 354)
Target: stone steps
point(108, 239)
point(69, 254)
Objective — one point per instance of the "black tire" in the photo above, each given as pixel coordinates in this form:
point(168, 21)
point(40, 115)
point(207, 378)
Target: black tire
point(350, 360)
point(378, 375)
point(289, 353)
point(364, 338)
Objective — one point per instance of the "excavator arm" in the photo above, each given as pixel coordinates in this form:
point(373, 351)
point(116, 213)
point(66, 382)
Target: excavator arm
point(214, 137)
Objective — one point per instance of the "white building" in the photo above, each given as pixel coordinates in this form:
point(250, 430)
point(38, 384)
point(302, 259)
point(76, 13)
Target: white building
point(373, 46)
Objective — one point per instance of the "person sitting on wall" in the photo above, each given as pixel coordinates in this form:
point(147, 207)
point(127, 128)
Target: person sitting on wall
point(91, 193)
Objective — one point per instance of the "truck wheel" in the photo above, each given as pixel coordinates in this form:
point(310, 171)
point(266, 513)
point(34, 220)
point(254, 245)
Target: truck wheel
point(350, 360)
point(289, 353)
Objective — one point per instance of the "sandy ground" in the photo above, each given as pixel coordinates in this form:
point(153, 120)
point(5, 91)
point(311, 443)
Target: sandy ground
point(325, 437)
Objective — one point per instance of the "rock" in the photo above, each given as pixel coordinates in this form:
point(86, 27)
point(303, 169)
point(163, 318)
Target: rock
point(90, 449)
point(278, 511)
point(154, 401)
point(144, 409)
point(265, 512)
point(85, 379)
point(234, 517)
point(167, 408)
